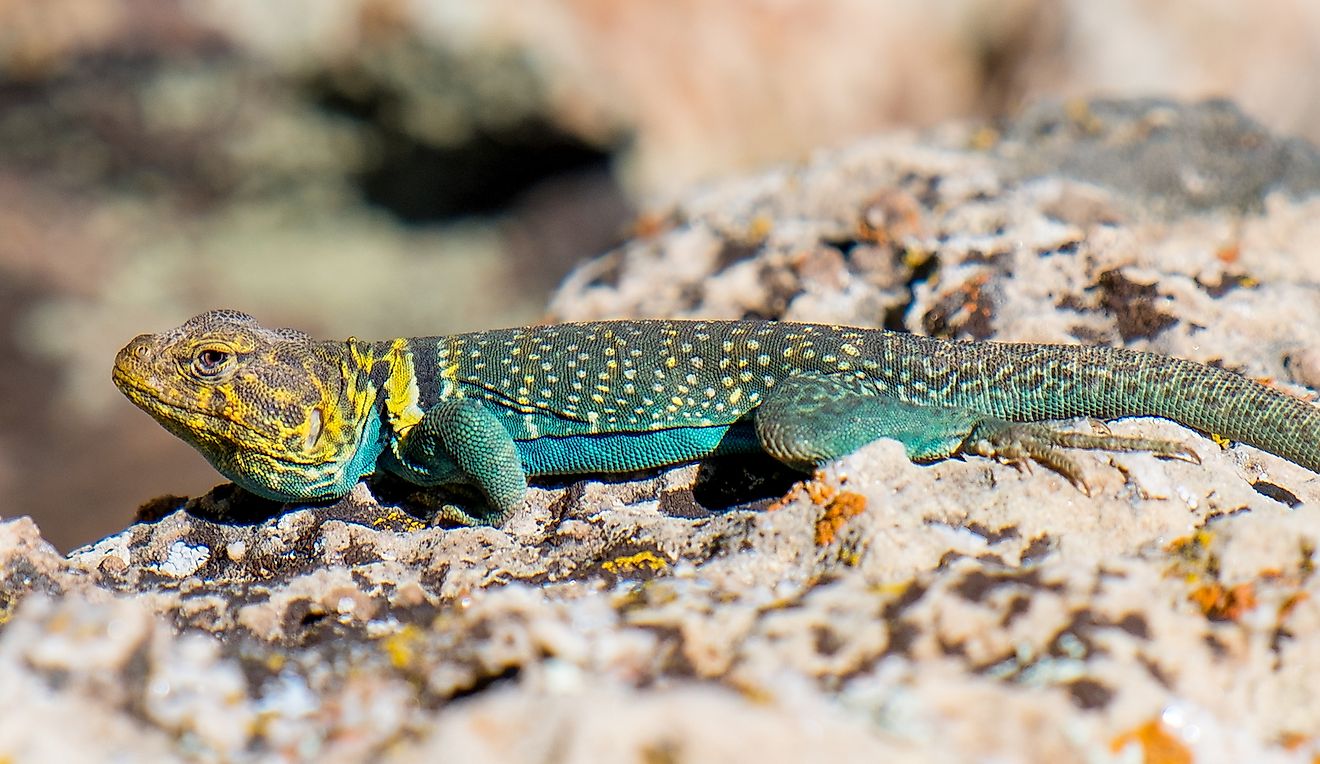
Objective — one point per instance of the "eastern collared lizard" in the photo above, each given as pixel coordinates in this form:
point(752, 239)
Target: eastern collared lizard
point(291, 418)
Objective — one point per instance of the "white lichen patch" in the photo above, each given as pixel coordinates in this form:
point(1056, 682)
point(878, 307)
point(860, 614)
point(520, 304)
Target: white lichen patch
point(183, 559)
point(114, 547)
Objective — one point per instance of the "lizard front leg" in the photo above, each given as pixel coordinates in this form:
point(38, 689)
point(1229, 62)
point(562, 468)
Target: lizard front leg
point(810, 419)
point(460, 440)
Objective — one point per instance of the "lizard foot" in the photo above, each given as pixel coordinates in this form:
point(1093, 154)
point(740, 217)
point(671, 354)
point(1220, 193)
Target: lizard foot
point(1020, 444)
point(442, 508)
point(455, 515)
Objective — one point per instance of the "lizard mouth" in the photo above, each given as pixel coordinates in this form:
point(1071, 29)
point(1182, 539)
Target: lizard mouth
point(193, 422)
point(149, 398)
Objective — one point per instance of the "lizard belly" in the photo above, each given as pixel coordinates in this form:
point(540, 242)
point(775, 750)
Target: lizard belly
point(629, 451)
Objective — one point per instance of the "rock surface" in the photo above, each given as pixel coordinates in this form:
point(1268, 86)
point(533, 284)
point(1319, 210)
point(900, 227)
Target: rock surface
point(879, 610)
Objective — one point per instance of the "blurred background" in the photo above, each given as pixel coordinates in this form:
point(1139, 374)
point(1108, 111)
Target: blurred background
point(388, 167)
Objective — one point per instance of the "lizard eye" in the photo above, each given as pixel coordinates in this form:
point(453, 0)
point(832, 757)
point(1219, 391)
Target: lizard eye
point(210, 361)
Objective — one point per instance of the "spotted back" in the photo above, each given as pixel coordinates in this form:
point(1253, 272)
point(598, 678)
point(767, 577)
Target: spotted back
point(638, 376)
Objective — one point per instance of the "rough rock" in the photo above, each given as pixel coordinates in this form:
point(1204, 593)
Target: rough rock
point(878, 610)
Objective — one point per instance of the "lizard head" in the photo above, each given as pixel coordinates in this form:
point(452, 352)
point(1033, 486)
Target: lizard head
point(276, 412)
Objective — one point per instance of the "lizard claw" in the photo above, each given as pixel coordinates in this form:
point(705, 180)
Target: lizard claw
point(1181, 453)
point(1019, 443)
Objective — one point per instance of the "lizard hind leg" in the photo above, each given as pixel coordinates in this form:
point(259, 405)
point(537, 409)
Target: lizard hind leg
point(806, 420)
point(810, 419)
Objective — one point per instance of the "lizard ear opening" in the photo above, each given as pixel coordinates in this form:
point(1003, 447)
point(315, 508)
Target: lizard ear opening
point(315, 426)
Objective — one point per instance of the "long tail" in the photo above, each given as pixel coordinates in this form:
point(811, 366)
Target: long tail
point(1035, 382)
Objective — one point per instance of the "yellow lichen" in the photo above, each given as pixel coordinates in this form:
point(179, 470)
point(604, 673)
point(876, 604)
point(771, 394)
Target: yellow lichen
point(660, 752)
point(753, 692)
point(891, 588)
point(984, 138)
point(1186, 545)
point(402, 646)
point(393, 516)
point(760, 227)
point(915, 257)
point(643, 561)
point(1080, 114)
point(850, 557)
point(1192, 556)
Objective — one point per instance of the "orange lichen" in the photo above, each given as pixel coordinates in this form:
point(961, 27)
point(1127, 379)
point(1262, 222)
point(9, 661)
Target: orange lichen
point(1292, 601)
point(839, 505)
point(1220, 603)
point(1229, 252)
point(784, 501)
point(1158, 746)
point(890, 218)
point(649, 225)
point(844, 506)
point(966, 304)
point(815, 490)
point(820, 493)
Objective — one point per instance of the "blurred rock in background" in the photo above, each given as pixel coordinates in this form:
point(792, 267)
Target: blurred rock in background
point(383, 167)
